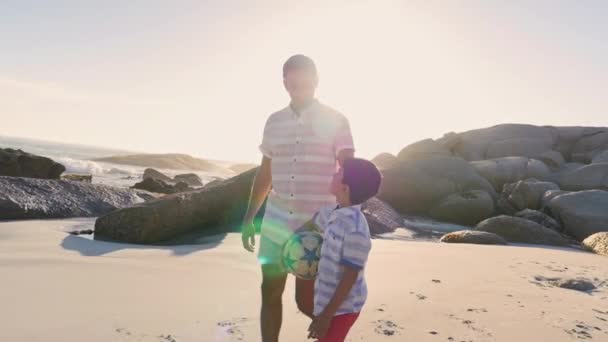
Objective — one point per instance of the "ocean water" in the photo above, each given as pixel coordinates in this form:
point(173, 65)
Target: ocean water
point(79, 159)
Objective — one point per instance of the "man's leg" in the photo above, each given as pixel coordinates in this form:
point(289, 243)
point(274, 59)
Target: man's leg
point(273, 284)
point(305, 294)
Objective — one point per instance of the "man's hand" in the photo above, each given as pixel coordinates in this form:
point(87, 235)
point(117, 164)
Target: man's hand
point(319, 326)
point(248, 235)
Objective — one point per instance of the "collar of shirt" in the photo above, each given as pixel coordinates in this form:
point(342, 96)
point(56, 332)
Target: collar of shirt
point(304, 110)
point(345, 211)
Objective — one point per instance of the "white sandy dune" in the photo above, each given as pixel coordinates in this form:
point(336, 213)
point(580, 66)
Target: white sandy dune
point(58, 287)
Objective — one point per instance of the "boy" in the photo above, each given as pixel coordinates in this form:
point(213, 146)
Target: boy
point(340, 289)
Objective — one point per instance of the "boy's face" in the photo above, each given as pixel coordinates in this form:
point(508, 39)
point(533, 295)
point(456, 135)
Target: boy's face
point(300, 84)
point(337, 188)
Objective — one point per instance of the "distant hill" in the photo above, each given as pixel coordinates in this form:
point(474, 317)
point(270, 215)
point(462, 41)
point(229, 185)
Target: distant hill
point(172, 161)
point(240, 168)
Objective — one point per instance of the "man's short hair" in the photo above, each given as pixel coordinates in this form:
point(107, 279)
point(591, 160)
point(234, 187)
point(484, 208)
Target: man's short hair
point(299, 62)
point(363, 179)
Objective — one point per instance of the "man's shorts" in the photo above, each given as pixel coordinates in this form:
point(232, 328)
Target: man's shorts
point(270, 252)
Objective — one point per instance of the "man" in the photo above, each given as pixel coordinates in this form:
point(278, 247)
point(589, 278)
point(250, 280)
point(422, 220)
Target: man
point(303, 144)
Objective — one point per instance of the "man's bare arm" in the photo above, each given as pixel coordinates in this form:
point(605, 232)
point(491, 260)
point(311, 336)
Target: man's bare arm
point(344, 154)
point(261, 187)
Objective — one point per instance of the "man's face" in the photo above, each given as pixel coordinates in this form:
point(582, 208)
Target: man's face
point(301, 85)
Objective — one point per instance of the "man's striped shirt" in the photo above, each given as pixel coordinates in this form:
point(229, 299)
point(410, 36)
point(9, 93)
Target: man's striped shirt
point(304, 149)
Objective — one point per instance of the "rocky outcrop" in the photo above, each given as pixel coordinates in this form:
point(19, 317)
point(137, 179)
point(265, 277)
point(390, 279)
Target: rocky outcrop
point(588, 177)
point(159, 186)
point(474, 237)
point(16, 163)
point(385, 161)
point(211, 210)
point(600, 157)
point(155, 174)
point(526, 194)
point(540, 218)
point(423, 149)
point(581, 213)
point(510, 170)
point(31, 198)
point(515, 229)
point(467, 208)
point(415, 187)
point(77, 178)
point(191, 179)
point(597, 243)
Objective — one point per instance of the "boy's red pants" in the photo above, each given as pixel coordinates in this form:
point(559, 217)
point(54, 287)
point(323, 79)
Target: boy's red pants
point(339, 327)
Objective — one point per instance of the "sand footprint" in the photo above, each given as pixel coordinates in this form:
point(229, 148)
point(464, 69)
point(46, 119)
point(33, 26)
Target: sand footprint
point(231, 329)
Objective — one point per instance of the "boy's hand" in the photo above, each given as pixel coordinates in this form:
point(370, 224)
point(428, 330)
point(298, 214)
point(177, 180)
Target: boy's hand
point(319, 326)
point(248, 235)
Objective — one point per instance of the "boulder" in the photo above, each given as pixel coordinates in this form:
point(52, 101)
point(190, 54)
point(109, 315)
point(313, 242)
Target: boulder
point(474, 237)
point(16, 163)
point(77, 178)
point(600, 157)
point(505, 141)
point(515, 229)
point(594, 176)
point(385, 161)
point(209, 210)
point(423, 149)
point(597, 243)
point(150, 173)
point(582, 213)
point(467, 208)
point(548, 196)
point(159, 186)
point(540, 218)
point(449, 140)
point(510, 170)
point(526, 194)
point(414, 187)
point(31, 198)
point(593, 140)
point(553, 159)
point(381, 217)
point(191, 179)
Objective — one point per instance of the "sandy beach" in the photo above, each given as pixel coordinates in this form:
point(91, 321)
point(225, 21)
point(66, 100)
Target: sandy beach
point(60, 287)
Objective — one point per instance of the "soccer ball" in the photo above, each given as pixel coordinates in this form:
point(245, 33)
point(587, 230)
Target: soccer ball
point(301, 254)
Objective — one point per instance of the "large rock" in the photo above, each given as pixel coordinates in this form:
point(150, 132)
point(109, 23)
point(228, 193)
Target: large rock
point(385, 161)
point(16, 163)
point(467, 208)
point(581, 213)
point(592, 141)
point(600, 157)
point(505, 141)
point(191, 179)
point(150, 173)
point(540, 218)
point(381, 217)
point(526, 194)
point(211, 210)
point(473, 236)
point(510, 170)
point(31, 198)
point(423, 149)
point(594, 176)
point(597, 243)
point(159, 186)
point(553, 159)
point(416, 186)
point(515, 229)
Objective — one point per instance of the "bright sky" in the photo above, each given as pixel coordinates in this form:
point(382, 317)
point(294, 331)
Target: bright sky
point(201, 77)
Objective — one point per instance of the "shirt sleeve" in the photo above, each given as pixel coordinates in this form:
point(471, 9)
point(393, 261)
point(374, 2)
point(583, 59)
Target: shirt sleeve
point(355, 250)
point(266, 146)
point(344, 138)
